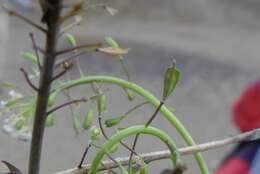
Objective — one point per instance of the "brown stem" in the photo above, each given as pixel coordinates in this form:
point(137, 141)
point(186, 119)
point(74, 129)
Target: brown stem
point(28, 80)
point(66, 104)
point(44, 86)
point(91, 47)
point(25, 19)
point(36, 51)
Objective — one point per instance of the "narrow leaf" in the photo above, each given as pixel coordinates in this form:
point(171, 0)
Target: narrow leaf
point(30, 56)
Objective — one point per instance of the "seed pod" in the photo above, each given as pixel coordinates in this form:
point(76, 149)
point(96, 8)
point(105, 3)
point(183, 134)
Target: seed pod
point(111, 42)
point(76, 125)
point(113, 121)
point(19, 123)
point(95, 133)
point(9, 85)
point(171, 79)
point(101, 104)
point(88, 120)
point(49, 121)
point(113, 51)
point(129, 94)
point(52, 98)
point(71, 39)
point(31, 57)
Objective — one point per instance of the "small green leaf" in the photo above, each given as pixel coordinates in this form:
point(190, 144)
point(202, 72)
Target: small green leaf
point(71, 39)
point(111, 42)
point(49, 121)
point(95, 133)
point(76, 125)
point(113, 121)
point(10, 85)
point(30, 56)
point(88, 120)
point(171, 79)
point(101, 104)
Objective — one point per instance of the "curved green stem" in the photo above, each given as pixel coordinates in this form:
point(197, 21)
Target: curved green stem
point(149, 97)
point(132, 131)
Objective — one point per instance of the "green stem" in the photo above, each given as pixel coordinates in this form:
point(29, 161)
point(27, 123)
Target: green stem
point(149, 97)
point(132, 131)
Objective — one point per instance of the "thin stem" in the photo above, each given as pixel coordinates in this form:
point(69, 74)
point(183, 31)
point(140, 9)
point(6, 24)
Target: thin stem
point(76, 22)
point(165, 154)
point(25, 19)
point(91, 47)
point(66, 104)
point(28, 80)
point(36, 51)
point(84, 155)
point(154, 114)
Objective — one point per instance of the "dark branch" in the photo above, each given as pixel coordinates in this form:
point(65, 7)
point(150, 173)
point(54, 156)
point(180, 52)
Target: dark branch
point(84, 155)
point(66, 104)
point(91, 47)
point(25, 19)
point(28, 80)
point(66, 67)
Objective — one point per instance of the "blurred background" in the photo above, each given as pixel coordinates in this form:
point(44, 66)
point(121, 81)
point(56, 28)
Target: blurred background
point(215, 43)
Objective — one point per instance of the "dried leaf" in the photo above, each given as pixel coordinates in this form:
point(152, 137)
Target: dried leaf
point(113, 51)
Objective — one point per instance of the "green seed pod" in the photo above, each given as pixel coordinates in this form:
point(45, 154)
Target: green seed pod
point(171, 79)
point(76, 125)
point(52, 98)
point(101, 104)
point(88, 120)
point(49, 121)
point(30, 56)
point(113, 121)
point(111, 42)
point(9, 85)
point(19, 123)
point(95, 133)
point(71, 39)
point(130, 95)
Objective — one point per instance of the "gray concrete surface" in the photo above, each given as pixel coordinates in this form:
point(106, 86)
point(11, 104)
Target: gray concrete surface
point(216, 61)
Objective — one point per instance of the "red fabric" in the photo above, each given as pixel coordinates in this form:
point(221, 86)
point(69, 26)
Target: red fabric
point(234, 166)
point(246, 111)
